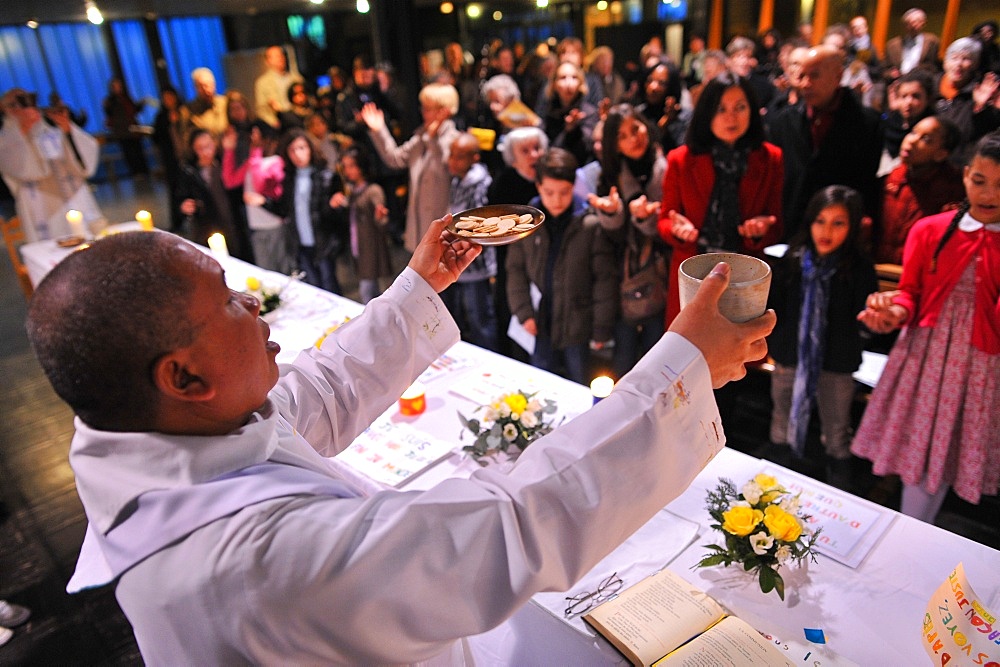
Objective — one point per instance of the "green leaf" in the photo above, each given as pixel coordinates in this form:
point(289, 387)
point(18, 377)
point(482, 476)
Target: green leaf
point(709, 561)
point(779, 585)
point(766, 577)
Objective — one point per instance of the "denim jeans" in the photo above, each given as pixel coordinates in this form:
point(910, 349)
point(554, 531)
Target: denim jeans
point(471, 304)
point(319, 272)
point(634, 339)
point(574, 358)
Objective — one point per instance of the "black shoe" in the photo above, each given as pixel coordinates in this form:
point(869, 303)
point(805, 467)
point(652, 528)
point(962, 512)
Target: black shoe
point(840, 473)
point(779, 453)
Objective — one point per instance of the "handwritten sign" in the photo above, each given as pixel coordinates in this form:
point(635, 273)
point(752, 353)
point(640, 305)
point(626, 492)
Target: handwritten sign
point(393, 453)
point(851, 526)
point(958, 628)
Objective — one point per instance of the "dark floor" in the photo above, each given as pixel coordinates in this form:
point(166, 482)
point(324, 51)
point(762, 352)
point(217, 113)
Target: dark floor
point(42, 522)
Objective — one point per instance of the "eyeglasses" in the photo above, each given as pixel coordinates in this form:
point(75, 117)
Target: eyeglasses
point(606, 590)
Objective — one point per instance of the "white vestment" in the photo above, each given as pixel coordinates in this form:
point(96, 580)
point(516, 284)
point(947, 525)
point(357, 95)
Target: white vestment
point(391, 577)
point(47, 178)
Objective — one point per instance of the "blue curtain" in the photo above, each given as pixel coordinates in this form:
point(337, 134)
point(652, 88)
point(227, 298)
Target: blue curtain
point(21, 64)
point(189, 43)
point(68, 58)
point(79, 62)
point(137, 65)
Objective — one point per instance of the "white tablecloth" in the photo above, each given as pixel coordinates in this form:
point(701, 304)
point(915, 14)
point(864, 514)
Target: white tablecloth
point(871, 615)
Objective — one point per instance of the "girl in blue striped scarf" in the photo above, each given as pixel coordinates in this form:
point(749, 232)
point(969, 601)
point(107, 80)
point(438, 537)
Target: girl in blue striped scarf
point(816, 291)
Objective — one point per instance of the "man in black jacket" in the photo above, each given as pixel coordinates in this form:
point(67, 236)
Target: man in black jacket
point(827, 138)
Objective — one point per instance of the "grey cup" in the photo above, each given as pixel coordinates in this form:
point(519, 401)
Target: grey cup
point(749, 283)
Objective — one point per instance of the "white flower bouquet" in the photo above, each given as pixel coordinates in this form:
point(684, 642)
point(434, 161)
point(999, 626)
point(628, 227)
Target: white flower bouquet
point(512, 420)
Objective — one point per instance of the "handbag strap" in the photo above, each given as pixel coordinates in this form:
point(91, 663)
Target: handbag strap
point(644, 257)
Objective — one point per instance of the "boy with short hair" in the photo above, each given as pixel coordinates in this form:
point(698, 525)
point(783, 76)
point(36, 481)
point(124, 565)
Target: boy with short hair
point(924, 184)
point(570, 262)
point(470, 298)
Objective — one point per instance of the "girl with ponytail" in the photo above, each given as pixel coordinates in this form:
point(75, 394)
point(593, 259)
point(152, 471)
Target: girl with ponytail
point(932, 419)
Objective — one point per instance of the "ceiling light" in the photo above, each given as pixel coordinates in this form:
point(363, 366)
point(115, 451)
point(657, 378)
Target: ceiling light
point(363, 6)
point(474, 11)
point(602, 5)
point(542, 4)
point(317, 2)
point(93, 13)
point(497, 15)
point(447, 7)
point(32, 24)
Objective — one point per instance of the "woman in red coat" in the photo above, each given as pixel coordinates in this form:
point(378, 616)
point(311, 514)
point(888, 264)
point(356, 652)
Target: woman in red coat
point(722, 189)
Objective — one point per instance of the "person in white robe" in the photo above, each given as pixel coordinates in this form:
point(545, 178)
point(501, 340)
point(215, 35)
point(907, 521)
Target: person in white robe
point(202, 466)
point(45, 162)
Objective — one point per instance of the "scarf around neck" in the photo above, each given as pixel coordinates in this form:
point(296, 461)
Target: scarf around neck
point(718, 232)
point(816, 275)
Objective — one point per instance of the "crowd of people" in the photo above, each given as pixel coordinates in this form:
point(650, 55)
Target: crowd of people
point(820, 144)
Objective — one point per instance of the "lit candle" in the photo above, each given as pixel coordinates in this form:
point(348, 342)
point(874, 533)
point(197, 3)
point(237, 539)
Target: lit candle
point(75, 220)
point(600, 387)
point(145, 220)
point(413, 402)
point(217, 242)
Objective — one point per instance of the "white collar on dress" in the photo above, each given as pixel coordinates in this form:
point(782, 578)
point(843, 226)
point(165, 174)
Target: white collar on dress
point(970, 224)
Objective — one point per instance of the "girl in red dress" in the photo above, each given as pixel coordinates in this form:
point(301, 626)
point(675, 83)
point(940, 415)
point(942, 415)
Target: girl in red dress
point(932, 419)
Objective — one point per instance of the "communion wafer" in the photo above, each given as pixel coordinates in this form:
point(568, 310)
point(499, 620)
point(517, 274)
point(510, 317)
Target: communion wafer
point(473, 226)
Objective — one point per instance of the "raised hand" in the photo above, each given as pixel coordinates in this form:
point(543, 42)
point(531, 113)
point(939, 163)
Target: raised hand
point(682, 228)
point(726, 345)
point(641, 208)
point(756, 227)
point(440, 257)
point(610, 204)
point(373, 117)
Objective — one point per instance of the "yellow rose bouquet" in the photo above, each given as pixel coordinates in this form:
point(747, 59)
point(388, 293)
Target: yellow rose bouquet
point(763, 530)
point(514, 419)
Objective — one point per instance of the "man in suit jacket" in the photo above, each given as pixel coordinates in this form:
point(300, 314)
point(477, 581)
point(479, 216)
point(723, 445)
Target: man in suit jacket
point(913, 49)
point(827, 138)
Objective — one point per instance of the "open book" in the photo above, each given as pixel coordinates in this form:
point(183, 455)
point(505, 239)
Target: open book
point(665, 620)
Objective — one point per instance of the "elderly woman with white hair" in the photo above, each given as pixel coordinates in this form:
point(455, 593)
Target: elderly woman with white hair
point(424, 154)
point(964, 100)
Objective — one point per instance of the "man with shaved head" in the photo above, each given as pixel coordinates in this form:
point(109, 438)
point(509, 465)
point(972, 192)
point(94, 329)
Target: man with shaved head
point(202, 463)
point(826, 138)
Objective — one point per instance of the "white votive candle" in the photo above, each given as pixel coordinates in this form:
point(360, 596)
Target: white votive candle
point(217, 242)
point(74, 219)
point(601, 387)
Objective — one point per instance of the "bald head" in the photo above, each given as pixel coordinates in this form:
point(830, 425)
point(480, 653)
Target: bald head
point(821, 72)
point(103, 316)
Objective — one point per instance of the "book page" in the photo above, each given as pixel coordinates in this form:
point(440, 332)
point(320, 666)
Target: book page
point(655, 616)
point(729, 642)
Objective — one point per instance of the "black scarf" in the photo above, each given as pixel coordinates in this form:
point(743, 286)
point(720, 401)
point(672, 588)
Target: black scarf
point(718, 231)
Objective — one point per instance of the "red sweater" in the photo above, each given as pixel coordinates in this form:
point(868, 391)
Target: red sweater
point(687, 189)
point(923, 293)
point(908, 197)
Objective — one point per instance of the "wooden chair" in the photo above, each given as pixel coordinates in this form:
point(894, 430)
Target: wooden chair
point(13, 236)
point(888, 276)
